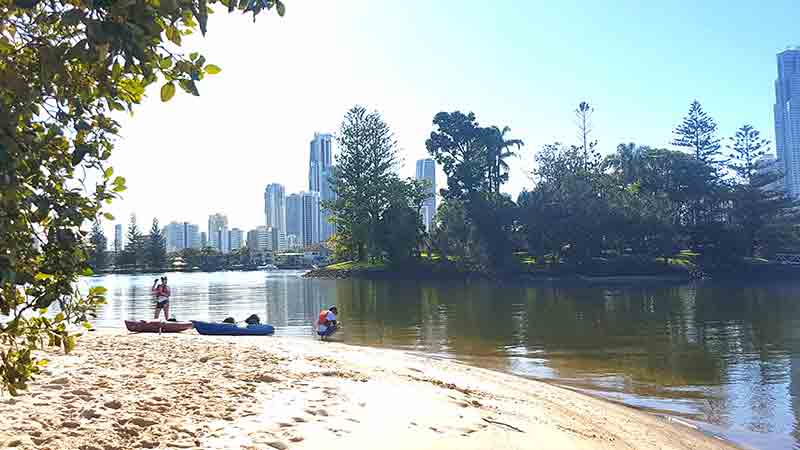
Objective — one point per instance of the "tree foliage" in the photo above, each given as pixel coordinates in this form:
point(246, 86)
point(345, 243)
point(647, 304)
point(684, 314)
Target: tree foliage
point(66, 67)
point(698, 133)
point(473, 158)
point(363, 178)
point(98, 256)
point(758, 210)
point(156, 248)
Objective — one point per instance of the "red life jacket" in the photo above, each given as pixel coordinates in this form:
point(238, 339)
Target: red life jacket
point(323, 317)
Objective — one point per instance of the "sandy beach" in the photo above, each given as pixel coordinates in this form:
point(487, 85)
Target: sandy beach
point(120, 391)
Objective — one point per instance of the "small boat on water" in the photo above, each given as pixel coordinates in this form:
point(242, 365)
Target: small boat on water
point(269, 267)
point(232, 329)
point(156, 326)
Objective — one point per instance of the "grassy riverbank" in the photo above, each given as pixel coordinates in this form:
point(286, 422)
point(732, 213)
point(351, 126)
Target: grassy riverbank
point(188, 391)
point(632, 270)
point(612, 270)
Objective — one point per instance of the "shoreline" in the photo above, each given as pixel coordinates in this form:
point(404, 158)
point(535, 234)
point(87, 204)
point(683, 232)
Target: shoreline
point(119, 391)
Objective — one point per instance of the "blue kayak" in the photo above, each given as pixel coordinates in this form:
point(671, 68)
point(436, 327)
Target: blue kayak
point(232, 329)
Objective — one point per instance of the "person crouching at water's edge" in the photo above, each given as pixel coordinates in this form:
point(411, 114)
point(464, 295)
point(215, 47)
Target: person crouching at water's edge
point(162, 293)
point(326, 324)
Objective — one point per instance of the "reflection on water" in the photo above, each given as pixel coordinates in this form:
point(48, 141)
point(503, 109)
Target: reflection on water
point(724, 355)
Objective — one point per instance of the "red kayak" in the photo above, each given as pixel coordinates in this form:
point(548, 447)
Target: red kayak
point(155, 326)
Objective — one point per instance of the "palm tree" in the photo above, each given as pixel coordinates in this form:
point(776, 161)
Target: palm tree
point(497, 150)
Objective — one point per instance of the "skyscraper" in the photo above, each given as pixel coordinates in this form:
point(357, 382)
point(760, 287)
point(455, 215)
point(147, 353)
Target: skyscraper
point(320, 160)
point(294, 218)
point(787, 118)
point(426, 171)
point(218, 232)
point(203, 239)
point(275, 206)
point(310, 218)
point(235, 239)
point(119, 240)
point(320, 169)
point(181, 235)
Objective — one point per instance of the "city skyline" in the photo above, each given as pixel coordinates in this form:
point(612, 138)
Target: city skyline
point(408, 74)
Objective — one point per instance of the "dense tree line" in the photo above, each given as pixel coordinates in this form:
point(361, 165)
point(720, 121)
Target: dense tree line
point(717, 203)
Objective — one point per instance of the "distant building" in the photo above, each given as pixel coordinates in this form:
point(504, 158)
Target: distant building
point(426, 171)
point(119, 238)
point(293, 241)
point(277, 239)
point(203, 239)
point(235, 239)
point(294, 215)
point(310, 217)
point(181, 235)
point(218, 233)
point(259, 239)
point(787, 118)
point(320, 160)
point(252, 240)
point(320, 170)
point(275, 206)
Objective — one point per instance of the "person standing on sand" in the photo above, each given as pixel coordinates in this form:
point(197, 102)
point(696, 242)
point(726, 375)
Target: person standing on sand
point(327, 323)
point(162, 294)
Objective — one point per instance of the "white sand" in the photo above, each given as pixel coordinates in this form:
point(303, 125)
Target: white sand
point(188, 391)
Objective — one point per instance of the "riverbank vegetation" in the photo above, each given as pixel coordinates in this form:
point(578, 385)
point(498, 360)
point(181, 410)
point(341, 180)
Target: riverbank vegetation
point(703, 207)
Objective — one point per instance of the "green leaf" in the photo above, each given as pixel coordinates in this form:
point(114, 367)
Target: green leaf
point(167, 91)
point(108, 216)
point(280, 7)
point(211, 69)
point(108, 172)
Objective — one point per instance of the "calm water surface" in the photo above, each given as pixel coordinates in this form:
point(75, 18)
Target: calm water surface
point(725, 356)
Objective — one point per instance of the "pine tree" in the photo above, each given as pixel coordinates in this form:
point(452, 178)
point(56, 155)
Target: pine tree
point(156, 254)
point(97, 249)
point(698, 132)
point(133, 253)
point(758, 209)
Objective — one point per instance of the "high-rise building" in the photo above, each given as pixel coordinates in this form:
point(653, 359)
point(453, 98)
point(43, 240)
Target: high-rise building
point(218, 233)
point(310, 218)
point(259, 239)
point(203, 239)
point(181, 235)
point(320, 170)
point(426, 171)
point(787, 118)
point(275, 206)
point(119, 238)
point(320, 160)
point(235, 239)
point(277, 239)
point(294, 215)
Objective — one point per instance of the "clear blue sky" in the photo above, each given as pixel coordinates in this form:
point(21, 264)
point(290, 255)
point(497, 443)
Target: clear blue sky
point(525, 64)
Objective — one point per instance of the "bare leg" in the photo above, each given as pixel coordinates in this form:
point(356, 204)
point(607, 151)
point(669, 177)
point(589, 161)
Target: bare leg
point(166, 311)
point(158, 309)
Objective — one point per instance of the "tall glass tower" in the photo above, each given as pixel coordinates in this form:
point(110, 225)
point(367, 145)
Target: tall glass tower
point(426, 171)
point(787, 118)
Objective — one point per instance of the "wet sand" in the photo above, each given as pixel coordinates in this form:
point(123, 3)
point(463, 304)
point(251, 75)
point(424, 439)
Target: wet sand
point(120, 391)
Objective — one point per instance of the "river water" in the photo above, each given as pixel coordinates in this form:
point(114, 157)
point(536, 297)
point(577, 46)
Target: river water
point(726, 357)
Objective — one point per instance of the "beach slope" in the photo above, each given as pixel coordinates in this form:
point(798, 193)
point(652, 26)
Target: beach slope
point(120, 391)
